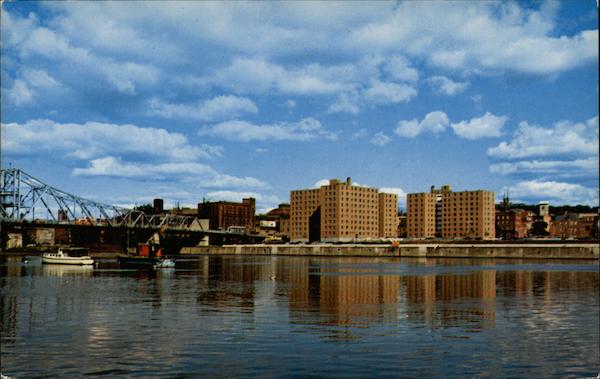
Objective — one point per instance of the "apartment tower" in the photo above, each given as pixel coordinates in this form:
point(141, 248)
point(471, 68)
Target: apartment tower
point(341, 211)
point(446, 214)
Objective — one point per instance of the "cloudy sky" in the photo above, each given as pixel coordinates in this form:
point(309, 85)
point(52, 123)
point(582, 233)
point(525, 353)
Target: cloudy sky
point(123, 102)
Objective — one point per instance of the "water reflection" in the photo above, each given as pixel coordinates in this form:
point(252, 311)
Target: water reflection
point(341, 295)
point(67, 270)
point(223, 316)
point(436, 293)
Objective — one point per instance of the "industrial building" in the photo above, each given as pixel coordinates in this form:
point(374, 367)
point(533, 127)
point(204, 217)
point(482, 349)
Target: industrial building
point(443, 213)
point(341, 212)
point(227, 215)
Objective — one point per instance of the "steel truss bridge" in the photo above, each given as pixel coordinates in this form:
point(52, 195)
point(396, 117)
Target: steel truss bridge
point(24, 198)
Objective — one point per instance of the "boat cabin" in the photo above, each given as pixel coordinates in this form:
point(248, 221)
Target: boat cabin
point(149, 250)
point(75, 251)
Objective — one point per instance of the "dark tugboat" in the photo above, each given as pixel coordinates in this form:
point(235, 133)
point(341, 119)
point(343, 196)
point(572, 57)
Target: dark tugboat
point(149, 256)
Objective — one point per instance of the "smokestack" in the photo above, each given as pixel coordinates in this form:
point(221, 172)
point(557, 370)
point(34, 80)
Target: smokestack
point(158, 206)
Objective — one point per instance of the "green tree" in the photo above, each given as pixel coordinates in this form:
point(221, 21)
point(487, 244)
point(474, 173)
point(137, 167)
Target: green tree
point(146, 208)
point(538, 229)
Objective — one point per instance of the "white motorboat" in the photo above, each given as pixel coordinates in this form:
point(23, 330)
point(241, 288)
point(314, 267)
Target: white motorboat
point(165, 263)
point(62, 257)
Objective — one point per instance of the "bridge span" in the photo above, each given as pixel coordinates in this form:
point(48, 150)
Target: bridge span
point(27, 203)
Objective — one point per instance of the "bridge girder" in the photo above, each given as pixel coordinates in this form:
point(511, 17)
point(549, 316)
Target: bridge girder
point(22, 196)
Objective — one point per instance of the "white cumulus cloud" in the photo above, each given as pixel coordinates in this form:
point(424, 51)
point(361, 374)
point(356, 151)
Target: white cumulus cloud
point(400, 69)
point(20, 94)
point(259, 75)
point(487, 125)
point(389, 93)
point(347, 102)
point(587, 166)
point(558, 193)
point(218, 107)
point(380, 139)
point(304, 130)
point(34, 41)
point(471, 35)
point(434, 122)
point(481, 35)
point(31, 83)
point(96, 139)
point(447, 86)
point(201, 175)
point(564, 137)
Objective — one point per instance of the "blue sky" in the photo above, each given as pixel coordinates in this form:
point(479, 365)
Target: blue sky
point(123, 101)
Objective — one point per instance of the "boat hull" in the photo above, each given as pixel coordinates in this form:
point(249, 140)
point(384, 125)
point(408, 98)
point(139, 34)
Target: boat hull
point(146, 262)
point(67, 260)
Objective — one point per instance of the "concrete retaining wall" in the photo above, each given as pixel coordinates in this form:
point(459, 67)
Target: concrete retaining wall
point(559, 251)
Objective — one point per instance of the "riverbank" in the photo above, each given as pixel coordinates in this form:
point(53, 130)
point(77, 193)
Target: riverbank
point(528, 251)
point(531, 250)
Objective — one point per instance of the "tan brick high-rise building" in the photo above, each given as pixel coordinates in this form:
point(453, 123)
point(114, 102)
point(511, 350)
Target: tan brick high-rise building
point(388, 215)
point(340, 211)
point(446, 214)
point(420, 215)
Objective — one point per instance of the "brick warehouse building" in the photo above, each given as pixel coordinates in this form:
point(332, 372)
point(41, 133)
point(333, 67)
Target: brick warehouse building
point(226, 214)
point(341, 211)
point(513, 223)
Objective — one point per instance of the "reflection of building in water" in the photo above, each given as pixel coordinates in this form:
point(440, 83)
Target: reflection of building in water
point(479, 285)
point(298, 276)
point(421, 290)
point(429, 288)
point(434, 291)
point(544, 283)
point(546, 291)
point(354, 297)
point(342, 296)
point(9, 308)
point(522, 282)
point(231, 280)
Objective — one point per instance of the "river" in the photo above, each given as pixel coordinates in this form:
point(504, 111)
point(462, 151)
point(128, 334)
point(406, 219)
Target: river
point(249, 316)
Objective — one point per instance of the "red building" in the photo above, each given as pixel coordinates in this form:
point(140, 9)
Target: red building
point(513, 223)
point(575, 225)
point(224, 215)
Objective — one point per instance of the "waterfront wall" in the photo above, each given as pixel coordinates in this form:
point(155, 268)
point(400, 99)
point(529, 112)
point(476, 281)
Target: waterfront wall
point(558, 251)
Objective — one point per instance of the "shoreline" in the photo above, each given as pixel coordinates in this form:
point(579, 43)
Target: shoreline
point(537, 250)
point(431, 250)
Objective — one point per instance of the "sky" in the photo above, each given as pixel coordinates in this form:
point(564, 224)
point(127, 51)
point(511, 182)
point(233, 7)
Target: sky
point(122, 102)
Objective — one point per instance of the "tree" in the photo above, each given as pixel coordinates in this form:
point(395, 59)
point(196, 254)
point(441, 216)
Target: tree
point(538, 229)
point(146, 208)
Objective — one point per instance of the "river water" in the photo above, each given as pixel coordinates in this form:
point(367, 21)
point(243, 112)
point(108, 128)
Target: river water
point(250, 316)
